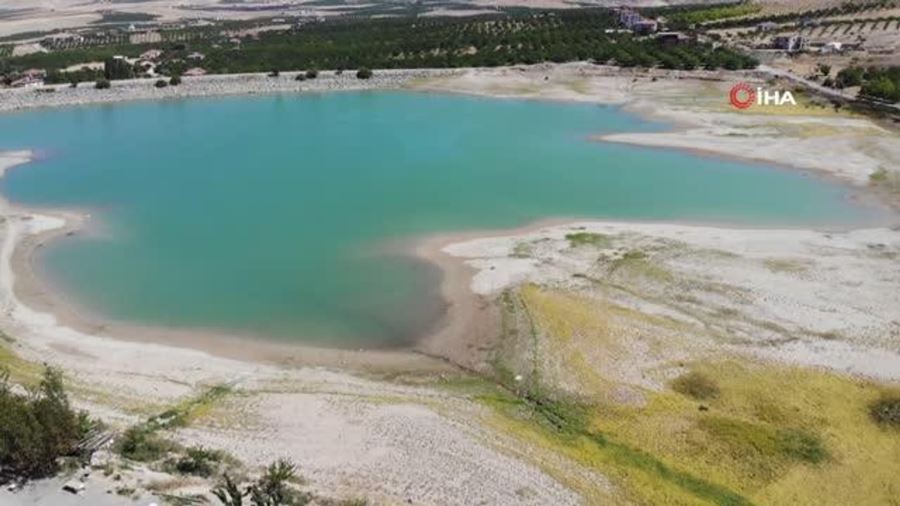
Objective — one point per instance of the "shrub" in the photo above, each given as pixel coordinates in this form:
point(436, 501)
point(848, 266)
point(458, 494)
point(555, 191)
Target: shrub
point(197, 461)
point(175, 80)
point(886, 411)
point(141, 444)
point(312, 74)
point(363, 73)
point(272, 488)
point(102, 84)
point(274, 73)
point(161, 83)
point(38, 428)
point(696, 385)
point(300, 77)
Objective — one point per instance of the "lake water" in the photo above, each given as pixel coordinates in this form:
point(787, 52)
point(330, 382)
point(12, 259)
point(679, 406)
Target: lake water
point(272, 216)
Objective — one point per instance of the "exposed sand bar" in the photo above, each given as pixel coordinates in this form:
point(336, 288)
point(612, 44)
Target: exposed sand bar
point(827, 299)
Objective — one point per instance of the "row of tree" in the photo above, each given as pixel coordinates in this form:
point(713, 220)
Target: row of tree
point(876, 83)
point(520, 37)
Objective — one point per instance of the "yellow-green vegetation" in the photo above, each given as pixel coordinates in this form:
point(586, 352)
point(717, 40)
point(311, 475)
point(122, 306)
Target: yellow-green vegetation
point(20, 371)
point(589, 239)
point(726, 431)
point(143, 442)
point(769, 435)
point(688, 17)
point(886, 179)
point(785, 265)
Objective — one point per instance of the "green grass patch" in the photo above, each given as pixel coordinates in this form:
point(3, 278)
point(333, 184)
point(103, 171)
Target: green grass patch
point(142, 442)
point(565, 425)
point(589, 239)
point(764, 444)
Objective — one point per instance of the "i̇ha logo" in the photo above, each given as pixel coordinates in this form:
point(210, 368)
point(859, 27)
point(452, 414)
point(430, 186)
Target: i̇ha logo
point(742, 96)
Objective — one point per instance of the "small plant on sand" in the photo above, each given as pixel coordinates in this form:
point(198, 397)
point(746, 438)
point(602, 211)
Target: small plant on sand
point(197, 461)
point(271, 489)
point(364, 73)
point(886, 411)
point(175, 80)
point(102, 84)
point(312, 74)
point(141, 444)
point(697, 385)
point(161, 83)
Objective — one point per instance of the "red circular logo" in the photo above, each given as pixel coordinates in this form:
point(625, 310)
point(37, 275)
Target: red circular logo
point(742, 95)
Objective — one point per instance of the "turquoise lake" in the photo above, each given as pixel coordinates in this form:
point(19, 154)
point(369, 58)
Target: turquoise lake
point(273, 216)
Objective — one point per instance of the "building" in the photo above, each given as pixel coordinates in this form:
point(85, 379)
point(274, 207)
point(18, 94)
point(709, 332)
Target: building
point(196, 56)
point(832, 47)
point(633, 20)
point(790, 43)
point(673, 38)
point(766, 26)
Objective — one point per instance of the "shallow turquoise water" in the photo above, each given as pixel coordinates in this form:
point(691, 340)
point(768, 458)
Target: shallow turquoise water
point(269, 215)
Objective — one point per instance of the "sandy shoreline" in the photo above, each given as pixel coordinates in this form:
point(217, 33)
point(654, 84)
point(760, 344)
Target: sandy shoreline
point(20, 99)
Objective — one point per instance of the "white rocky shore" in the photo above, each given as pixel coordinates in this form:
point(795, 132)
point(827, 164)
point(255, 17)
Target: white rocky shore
point(12, 99)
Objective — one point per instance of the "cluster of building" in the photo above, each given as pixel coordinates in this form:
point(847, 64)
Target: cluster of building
point(28, 78)
point(632, 20)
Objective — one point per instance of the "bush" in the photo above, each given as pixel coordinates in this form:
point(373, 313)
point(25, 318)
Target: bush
point(696, 385)
point(102, 84)
point(312, 74)
point(38, 428)
point(274, 73)
point(300, 77)
point(197, 461)
point(886, 411)
point(161, 83)
point(363, 73)
point(141, 444)
point(175, 80)
point(272, 488)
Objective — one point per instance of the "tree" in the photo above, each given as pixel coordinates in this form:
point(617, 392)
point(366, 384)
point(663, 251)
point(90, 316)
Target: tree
point(161, 83)
point(364, 73)
point(175, 80)
point(312, 74)
point(117, 68)
point(102, 84)
point(38, 428)
point(824, 69)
